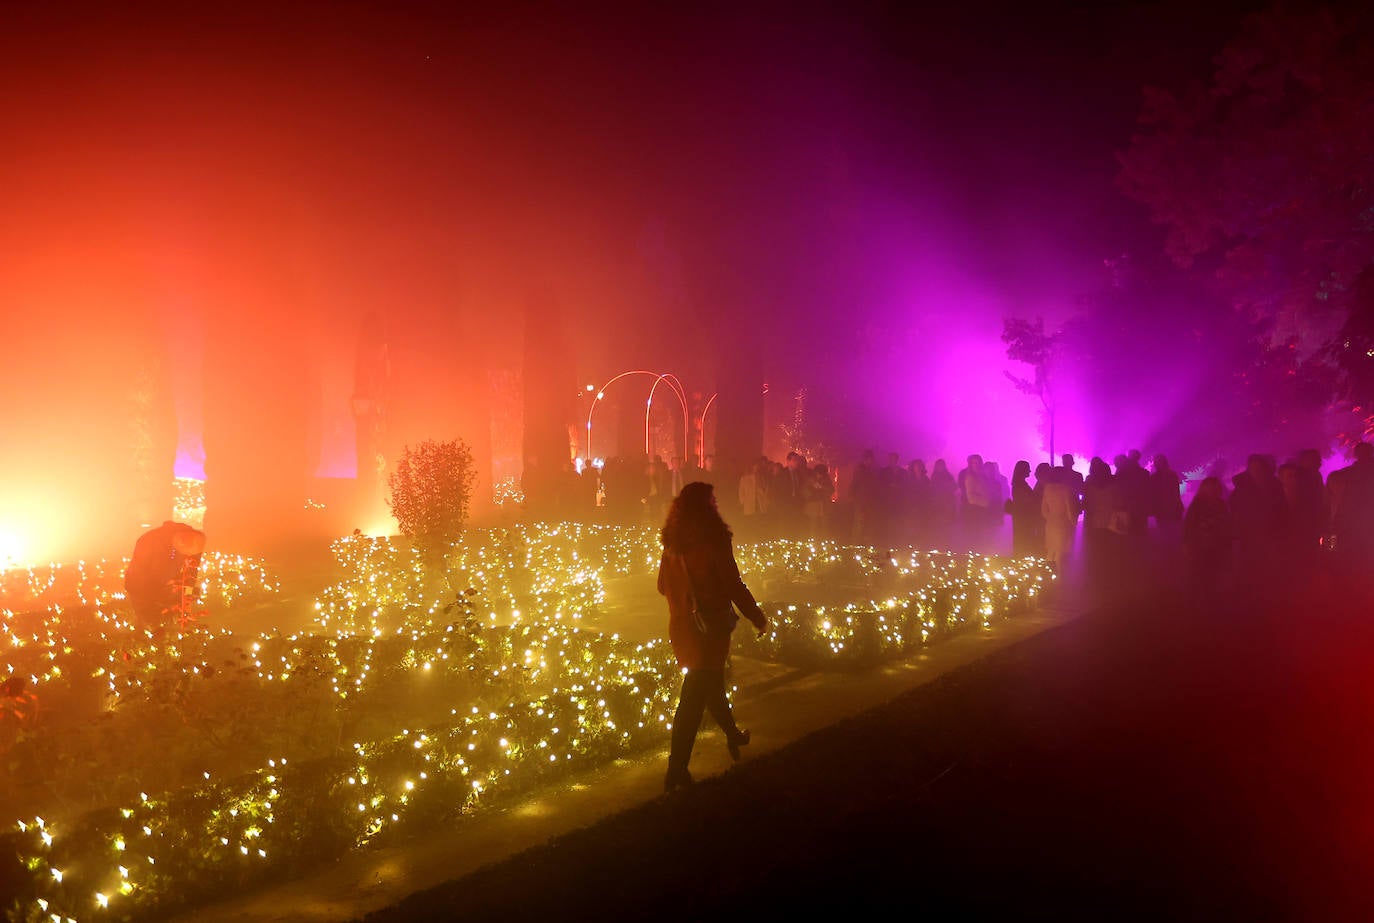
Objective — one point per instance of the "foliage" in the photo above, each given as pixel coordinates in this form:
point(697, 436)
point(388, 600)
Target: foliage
point(794, 430)
point(507, 490)
point(1264, 180)
point(1352, 351)
point(188, 504)
point(908, 600)
point(430, 488)
point(1150, 362)
point(1028, 342)
point(805, 432)
point(203, 762)
point(174, 843)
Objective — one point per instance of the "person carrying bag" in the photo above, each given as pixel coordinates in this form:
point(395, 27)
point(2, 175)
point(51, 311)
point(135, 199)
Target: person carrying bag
point(701, 582)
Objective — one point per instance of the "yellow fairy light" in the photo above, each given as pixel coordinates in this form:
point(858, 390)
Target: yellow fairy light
point(383, 619)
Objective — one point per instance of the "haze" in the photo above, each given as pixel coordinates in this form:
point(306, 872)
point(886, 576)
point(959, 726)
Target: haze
point(200, 214)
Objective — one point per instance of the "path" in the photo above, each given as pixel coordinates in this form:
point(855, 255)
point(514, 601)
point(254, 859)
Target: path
point(1161, 759)
point(781, 705)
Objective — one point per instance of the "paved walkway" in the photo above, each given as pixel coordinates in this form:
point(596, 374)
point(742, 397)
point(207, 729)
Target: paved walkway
point(778, 704)
point(1172, 755)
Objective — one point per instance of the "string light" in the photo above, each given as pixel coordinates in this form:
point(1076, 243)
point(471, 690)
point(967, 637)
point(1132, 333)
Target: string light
point(499, 614)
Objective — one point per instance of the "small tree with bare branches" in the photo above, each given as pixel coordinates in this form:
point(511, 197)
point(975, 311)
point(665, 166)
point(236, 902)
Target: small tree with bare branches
point(1028, 342)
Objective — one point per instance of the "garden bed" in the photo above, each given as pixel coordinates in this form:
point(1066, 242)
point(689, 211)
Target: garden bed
point(153, 770)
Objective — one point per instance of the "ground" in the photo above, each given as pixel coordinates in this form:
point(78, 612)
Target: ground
point(1165, 756)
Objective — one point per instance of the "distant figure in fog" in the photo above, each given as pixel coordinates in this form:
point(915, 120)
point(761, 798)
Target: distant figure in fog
point(1207, 535)
point(944, 501)
point(1001, 490)
point(1352, 509)
point(1059, 506)
point(865, 495)
point(1133, 491)
point(162, 570)
point(568, 492)
point(1258, 510)
point(590, 492)
point(748, 491)
point(1044, 474)
point(676, 467)
point(1100, 513)
point(1308, 510)
point(660, 486)
point(1074, 481)
point(1166, 503)
point(976, 493)
point(622, 494)
point(891, 511)
point(917, 528)
point(820, 487)
point(791, 502)
point(1287, 475)
point(779, 485)
point(537, 486)
point(1027, 525)
point(701, 581)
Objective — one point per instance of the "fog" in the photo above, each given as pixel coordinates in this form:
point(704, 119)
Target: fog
point(201, 214)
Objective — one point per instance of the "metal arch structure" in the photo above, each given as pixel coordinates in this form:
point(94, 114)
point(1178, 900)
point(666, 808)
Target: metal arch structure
point(675, 386)
point(701, 443)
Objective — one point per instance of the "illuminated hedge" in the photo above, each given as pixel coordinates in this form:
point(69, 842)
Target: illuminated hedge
point(160, 852)
point(914, 597)
point(543, 695)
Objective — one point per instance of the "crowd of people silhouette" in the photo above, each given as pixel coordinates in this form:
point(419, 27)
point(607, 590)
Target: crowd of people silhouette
point(1248, 520)
point(1275, 521)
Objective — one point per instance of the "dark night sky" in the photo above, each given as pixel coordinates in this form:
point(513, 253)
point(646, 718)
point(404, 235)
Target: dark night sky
point(752, 134)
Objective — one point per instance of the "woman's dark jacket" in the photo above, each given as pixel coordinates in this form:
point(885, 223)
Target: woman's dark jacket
point(706, 572)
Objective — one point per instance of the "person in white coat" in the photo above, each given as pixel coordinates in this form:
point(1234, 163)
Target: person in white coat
point(1059, 506)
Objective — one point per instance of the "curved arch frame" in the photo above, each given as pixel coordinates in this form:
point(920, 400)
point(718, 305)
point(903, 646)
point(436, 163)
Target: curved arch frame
point(701, 450)
point(675, 386)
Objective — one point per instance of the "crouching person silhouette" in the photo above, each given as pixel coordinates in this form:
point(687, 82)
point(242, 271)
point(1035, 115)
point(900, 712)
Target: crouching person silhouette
point(701, 581)
point(160, 581)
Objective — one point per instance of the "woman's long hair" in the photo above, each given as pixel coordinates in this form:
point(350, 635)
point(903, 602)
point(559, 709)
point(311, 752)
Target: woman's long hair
point(693, 519)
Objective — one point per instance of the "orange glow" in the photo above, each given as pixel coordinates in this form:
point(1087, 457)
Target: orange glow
point(12, 552)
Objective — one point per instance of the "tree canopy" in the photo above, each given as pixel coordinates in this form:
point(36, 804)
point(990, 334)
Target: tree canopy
point(1264, 182)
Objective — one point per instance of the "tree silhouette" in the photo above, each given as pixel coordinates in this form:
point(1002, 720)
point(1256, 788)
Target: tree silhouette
point(1264, 182)
point(1028, 342)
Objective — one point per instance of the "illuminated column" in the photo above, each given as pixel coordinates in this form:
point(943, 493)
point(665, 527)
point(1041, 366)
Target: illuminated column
point(262, 416)
point(550, 395)
point(152, 431)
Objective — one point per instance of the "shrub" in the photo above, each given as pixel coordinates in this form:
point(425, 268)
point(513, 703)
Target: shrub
point(429, 491)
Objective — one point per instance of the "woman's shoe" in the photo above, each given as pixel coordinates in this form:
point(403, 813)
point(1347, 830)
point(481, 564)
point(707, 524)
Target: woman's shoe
point(676, 780)
point(735, 741)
